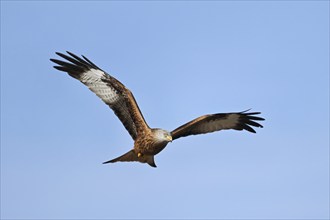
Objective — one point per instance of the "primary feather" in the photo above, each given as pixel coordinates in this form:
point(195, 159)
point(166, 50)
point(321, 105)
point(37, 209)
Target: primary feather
point(110, 90)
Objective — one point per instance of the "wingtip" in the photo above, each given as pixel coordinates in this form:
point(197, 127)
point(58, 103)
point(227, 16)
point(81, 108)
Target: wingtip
point(246, 110)
point(70, 53)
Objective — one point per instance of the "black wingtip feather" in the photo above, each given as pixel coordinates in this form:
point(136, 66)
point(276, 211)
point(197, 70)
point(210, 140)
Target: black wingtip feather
point(247, 120)
point(79, 59)
point(256, 118)
point(254, 124)
point(72, 60)
point(73, 64)
point(248, 128)
point(60, 68)
point(90, 62)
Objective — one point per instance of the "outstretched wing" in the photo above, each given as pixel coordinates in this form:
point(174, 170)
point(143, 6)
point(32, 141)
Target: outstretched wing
point(216, 122)
point(110, 90)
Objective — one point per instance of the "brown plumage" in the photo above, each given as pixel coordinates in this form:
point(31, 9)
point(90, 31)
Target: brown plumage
point(147, 141)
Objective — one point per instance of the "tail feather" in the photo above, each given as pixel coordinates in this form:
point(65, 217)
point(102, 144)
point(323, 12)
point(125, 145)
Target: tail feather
point(151, 161)
point(131, 156)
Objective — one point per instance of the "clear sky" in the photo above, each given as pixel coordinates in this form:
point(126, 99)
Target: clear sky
point(181, 60)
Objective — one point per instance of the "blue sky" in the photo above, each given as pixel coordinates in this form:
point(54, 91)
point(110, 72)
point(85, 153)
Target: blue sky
point(181, 60)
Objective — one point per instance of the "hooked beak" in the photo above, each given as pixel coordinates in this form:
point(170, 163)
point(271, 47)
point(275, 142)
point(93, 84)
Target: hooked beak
point(169, 138)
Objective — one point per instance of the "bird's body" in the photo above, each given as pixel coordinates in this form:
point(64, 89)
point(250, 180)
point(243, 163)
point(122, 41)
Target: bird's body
point(154, 141)
point(147, 141)
point(146, 146)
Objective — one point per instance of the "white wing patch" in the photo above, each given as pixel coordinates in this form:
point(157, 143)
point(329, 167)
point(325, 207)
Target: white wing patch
point(93, 79)
point(223, 123)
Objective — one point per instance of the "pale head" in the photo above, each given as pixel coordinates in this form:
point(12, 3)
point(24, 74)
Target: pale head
point(162, 135)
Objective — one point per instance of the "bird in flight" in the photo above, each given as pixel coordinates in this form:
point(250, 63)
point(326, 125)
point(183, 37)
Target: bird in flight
point(147, 141)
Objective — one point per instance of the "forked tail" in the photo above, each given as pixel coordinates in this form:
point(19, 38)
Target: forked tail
point(131, 156)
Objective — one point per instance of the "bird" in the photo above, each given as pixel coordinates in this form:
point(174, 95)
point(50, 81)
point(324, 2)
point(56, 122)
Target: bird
point(148, 142)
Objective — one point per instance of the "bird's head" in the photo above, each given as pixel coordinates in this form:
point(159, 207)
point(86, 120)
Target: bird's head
point(162, 135)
